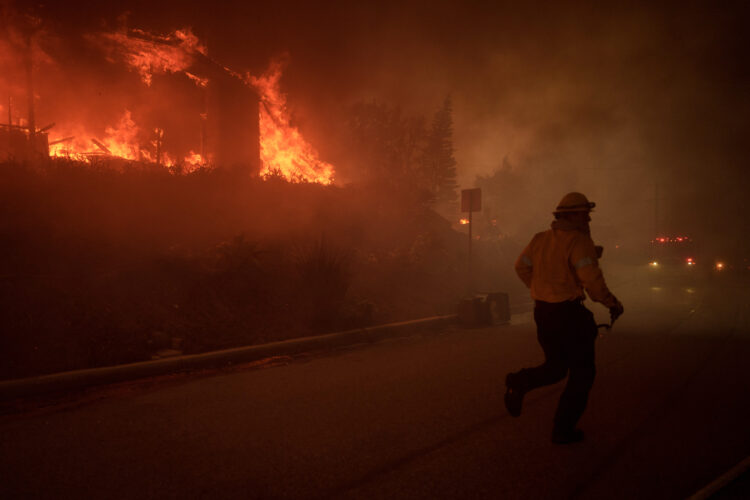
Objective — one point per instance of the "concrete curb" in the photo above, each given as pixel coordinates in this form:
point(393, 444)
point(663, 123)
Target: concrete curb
point(80, 379)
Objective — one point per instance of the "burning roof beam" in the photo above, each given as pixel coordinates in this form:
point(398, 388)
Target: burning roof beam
point(64, 139)
point(101, 146)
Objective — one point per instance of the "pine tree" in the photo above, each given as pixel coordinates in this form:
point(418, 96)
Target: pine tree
point(438, 163)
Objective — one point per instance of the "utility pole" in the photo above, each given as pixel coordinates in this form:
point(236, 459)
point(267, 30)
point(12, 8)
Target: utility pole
point(159, 139)
point(30, 93)
point(656, 209)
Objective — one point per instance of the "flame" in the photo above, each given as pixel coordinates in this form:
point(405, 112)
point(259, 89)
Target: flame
point(283, 150)
point(193, 162)
point(149, 54)
point(123, 140)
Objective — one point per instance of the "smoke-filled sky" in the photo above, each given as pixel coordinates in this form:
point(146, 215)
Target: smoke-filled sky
point(560, 90)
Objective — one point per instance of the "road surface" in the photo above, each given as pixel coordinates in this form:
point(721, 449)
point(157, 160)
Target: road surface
point(417, 417)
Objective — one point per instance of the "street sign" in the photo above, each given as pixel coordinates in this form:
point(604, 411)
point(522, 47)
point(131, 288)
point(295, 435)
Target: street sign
point(471, 200)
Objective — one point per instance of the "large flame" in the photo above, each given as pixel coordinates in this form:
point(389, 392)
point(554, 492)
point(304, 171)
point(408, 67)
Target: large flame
point(283, 150)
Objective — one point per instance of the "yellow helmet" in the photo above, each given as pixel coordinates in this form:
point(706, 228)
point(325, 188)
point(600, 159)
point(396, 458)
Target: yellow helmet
point(574, 202)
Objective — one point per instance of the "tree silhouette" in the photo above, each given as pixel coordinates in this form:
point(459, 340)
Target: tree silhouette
point(438, 163)
point(388, 146)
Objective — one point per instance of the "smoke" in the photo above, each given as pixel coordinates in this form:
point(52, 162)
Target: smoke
point(641, 107)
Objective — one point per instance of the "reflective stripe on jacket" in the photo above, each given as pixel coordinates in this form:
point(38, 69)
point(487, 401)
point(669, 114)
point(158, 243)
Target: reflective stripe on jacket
point(558, 264)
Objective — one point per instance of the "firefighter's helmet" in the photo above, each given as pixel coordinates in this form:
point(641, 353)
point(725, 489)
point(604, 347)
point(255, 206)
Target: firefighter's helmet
point(574, 202)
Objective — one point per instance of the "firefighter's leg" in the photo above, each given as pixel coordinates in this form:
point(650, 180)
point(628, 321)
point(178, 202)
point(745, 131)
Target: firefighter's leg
point(548, 320)
point(552, 370)
point(581, 362)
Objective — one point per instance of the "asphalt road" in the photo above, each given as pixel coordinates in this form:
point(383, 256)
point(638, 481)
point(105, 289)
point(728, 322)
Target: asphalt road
point(417, 417)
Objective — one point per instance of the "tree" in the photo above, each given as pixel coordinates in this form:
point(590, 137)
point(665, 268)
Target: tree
point(387, 146)
point(438, 164)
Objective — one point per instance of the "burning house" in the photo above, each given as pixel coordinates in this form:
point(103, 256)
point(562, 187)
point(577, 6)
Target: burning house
point(243, 119)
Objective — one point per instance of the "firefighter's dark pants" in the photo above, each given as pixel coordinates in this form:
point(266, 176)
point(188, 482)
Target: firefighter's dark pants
point(567, 332)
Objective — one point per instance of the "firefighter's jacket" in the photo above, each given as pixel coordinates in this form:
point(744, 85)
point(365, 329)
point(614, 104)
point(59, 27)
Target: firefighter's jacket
point(558, 264)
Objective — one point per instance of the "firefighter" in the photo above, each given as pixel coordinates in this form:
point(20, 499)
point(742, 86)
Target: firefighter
point(557, 266)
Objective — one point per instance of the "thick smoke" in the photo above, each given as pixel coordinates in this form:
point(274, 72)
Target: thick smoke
point(641, 107)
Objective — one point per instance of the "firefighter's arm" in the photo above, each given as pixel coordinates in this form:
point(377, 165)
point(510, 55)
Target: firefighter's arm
point(586, 265)
point(524, 267)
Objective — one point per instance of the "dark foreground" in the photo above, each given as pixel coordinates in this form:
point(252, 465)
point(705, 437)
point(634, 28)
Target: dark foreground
point(416, 418)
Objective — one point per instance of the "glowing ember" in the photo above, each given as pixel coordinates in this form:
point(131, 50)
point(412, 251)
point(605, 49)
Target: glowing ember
point(283, 150)
point(463, 222)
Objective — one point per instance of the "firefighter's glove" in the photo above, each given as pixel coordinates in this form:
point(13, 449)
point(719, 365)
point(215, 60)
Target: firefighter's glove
point(616, 311)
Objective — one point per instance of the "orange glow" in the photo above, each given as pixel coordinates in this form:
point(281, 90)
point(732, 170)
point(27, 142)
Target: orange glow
point(463, 222)
point(283, 150)
point(719, 266)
